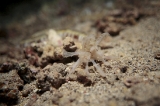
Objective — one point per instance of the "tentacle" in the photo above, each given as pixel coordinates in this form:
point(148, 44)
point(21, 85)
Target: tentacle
point(69, 54)
point(86, 68)
point(78, 62)
point(98, 68)
point(101, 38)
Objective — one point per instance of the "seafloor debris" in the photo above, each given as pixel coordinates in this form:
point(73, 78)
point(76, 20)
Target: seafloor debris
point(46, 46)
point(157, 55)
point(10, 84)
point(119, 19)
point(51, 75)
